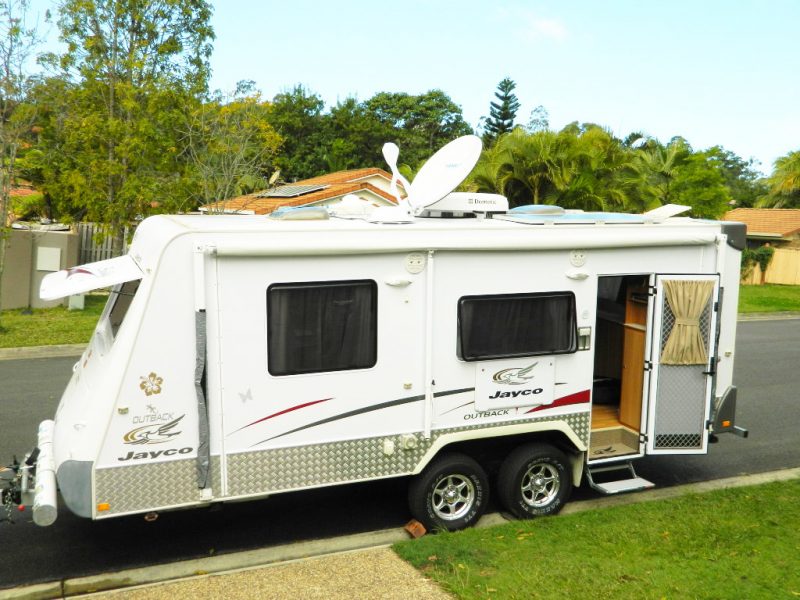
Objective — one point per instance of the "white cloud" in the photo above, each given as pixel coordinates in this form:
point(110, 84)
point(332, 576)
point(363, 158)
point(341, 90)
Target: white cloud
point(530, 26)
point(552, 29)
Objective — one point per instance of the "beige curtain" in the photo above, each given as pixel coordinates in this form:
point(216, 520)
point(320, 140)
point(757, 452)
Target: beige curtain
point(687, 299)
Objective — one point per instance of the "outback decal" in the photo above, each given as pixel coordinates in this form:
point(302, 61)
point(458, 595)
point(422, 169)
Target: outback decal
point(519, 376)
point(153, 416)
point(151, 385)
point(154, 454)
point(153, 434)
point(488, 413)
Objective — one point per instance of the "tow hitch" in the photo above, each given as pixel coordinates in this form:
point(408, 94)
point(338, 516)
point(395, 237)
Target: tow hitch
point(15, 485)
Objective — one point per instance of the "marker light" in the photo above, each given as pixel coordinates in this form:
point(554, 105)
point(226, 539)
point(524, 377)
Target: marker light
point(103, 506)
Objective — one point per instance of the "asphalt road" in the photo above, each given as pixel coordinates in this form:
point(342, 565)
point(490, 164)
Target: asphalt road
point(767, 373)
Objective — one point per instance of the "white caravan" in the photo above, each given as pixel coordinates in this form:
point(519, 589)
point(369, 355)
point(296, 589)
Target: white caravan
point(244, 356)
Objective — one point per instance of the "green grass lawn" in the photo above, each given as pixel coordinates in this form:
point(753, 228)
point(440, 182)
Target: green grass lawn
point(769, 298)
point(735, 543)
point(47, 326)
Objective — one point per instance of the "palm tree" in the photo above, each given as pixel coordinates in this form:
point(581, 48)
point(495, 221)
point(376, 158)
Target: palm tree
point(784, 183)
point(656, 166)
point(581, 167)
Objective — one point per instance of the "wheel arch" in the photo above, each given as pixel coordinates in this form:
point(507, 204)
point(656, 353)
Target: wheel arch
point(476, 442)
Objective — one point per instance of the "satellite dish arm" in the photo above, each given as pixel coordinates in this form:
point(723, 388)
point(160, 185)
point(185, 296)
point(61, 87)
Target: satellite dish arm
point(391, 153)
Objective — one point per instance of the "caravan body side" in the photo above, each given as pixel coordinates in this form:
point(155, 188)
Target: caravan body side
point(130, 423)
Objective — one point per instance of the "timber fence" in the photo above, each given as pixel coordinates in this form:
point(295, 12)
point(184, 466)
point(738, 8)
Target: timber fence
point(784, 269)
point(94, 246)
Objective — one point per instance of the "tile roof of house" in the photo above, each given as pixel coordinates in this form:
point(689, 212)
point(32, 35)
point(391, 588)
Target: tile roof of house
point(782, 222)
point(336, 184)
point(19, 191)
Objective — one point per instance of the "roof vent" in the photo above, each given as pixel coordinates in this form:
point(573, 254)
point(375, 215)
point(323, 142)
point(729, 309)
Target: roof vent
point(301, 213)
point(537, 209)
point(466, 204)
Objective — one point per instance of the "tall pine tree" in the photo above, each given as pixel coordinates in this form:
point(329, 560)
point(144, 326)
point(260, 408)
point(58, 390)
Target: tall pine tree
point(501, 113)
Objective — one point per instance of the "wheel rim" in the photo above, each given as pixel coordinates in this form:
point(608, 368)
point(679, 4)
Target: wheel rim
point(453, 497)
point(540, 485)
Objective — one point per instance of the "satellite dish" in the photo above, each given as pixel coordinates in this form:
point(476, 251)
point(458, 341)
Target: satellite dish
point(443, 171)
point(274, 177)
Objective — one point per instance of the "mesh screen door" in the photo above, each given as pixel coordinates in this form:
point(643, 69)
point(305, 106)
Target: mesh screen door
point(682, 346)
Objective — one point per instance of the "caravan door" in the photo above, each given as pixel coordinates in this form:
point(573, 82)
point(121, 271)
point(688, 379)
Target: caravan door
point(683, 329)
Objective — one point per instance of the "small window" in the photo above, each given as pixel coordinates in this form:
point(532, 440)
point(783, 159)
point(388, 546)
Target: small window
point(510, 325)
point(122, 296)
point(322, 326)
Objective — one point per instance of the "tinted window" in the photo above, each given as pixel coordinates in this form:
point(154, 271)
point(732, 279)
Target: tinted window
point(323, 326)
point(122, 296)
point(516, 325)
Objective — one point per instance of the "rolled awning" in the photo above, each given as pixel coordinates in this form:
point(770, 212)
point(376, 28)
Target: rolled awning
point(92, 276)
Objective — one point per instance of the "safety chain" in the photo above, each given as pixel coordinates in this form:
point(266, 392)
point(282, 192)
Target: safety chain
point(8, 504)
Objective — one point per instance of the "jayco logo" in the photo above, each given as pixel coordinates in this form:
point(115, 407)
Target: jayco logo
point(153, 434)
point(517, 376)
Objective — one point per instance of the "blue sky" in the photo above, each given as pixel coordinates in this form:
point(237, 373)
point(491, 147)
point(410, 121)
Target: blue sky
point(713, 71)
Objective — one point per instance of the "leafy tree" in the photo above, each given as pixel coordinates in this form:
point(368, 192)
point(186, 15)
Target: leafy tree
point(230, 143)
point(354, 136)
point(136, 66)
point(740, 176)
point(784, 183)
point(501, 112)
point(352, 133)
point(700, 183)
point(539, 119)
point(17, 43)
point(418, 124)
point(297, 116)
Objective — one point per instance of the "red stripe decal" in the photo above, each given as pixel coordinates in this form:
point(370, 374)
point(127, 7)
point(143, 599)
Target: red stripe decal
point(282, 412)
point(578, 398)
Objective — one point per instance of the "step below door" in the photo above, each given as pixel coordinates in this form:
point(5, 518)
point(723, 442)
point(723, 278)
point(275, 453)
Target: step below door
point(684, 322)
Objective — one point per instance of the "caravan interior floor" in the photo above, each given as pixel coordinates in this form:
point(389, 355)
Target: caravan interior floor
point(605, 416)
point(609, 437)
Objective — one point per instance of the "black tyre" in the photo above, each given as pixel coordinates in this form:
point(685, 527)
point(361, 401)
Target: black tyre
point(451, 493)
point(534, 480)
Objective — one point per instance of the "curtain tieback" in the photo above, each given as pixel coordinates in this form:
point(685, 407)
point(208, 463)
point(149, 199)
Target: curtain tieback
point(687, 321)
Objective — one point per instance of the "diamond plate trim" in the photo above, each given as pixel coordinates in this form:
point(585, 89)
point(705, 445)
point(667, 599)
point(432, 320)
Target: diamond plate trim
point(156, 486)
point(284, 469)
point(145, 487)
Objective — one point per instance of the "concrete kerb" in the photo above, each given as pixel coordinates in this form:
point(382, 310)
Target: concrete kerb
point(769, 316)
point(249, 559)
point(55, 351)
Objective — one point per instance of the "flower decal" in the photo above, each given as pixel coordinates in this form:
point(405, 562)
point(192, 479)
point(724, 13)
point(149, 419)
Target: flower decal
point(151, 385)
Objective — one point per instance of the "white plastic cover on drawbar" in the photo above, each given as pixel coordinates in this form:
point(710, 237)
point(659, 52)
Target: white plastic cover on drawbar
point(92, 276)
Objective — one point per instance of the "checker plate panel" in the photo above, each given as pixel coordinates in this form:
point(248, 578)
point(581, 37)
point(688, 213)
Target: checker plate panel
point(157, 486)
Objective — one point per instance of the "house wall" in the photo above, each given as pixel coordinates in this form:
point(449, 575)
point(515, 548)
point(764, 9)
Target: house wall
point(21, 275)
point(16, 275)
